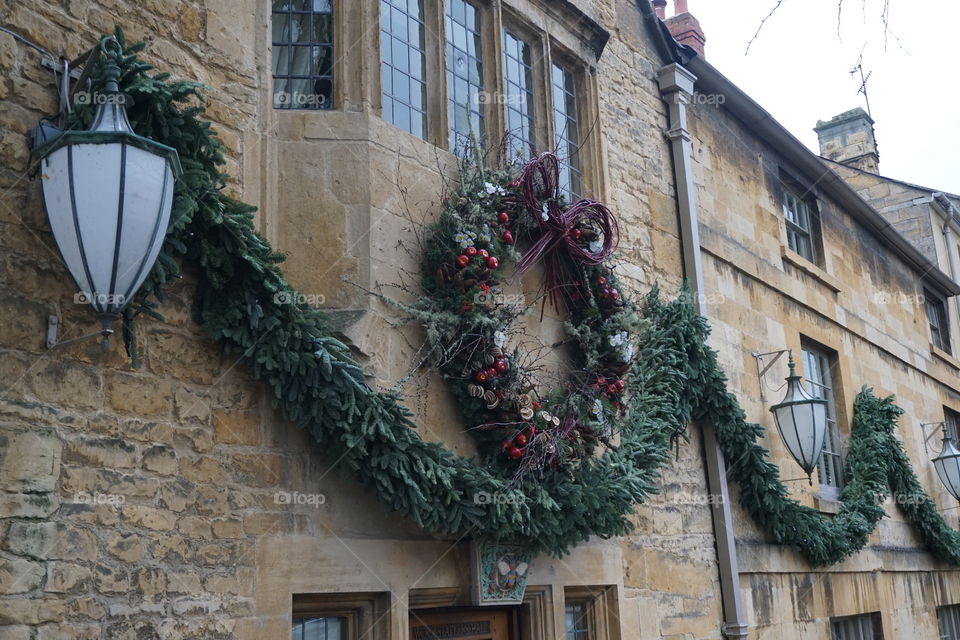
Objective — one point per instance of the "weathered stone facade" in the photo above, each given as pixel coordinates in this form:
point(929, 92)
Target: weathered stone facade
point(864, 303)
point(144, 503)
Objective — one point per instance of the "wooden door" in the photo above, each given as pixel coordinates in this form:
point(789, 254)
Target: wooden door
point(473, 624)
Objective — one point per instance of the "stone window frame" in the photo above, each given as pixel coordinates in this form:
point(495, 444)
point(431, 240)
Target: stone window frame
point(557, 30)
point(601, 610)
point(367, 615)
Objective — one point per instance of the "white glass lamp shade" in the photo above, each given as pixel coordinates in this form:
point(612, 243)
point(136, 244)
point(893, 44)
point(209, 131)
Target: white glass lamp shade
point(947, 465)
point(108, 194)
point(802, 422)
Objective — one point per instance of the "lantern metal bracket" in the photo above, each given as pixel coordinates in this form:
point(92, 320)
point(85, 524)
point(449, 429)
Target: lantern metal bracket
point(53, 322)
point(763, 366)
point(936, 426)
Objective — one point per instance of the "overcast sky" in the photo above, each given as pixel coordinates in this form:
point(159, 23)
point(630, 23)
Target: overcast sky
point(798, 69)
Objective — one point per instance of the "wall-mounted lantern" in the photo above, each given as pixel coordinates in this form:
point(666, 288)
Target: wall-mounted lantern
point(947, 463)
point(108, 193)
point(801, 419)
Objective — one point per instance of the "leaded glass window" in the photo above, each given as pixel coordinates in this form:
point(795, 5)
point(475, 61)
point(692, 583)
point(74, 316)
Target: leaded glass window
point(403, 66)
point(567, 130)
point(465, 89)
point(577, 621)
point(319, 628)
point(518, 83)
point(302, 54)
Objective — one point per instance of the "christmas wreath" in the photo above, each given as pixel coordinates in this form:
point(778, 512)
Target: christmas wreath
point(551, 497)
point(523, 429)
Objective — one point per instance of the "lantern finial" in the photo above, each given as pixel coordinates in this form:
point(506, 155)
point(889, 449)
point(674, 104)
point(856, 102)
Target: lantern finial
point(111, 70)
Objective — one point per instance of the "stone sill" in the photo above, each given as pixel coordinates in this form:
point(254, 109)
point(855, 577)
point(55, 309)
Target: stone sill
point(944, 356)
point(827, 502)
point(795, 259)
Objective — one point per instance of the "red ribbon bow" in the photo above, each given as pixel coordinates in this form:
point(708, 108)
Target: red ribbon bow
point(558, 243)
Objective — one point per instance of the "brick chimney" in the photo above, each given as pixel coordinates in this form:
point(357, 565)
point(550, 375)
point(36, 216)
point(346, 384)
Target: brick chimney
point(684, 27)
point(849, 139)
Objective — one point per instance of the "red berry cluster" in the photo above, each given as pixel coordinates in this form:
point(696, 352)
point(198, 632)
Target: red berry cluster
point(516, 447)
point(503, 218)
point(608, 388)
point(484, 376)
point(484, 258)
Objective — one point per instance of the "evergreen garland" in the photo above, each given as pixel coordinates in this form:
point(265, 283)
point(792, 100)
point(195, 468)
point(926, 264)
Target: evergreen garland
point(319, 387)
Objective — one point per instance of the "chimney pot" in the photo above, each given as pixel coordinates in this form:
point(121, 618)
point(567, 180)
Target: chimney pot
point(685, 28)
point(660, 6)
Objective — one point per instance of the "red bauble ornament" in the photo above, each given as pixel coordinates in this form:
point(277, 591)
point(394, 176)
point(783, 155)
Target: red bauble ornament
point(500, 365)
point(514, 453)
point(483, 253)
point(612, 388)
point(492, 262)
point(601, 380)
point(503, 217)
point(508, 237)
point(614, 295)
point(480, 376)
point(621, 385)
point(471, 251)
point(575, 234)
point(462, 261)
point(520, 440)
point(601, 281)
point(491, 373)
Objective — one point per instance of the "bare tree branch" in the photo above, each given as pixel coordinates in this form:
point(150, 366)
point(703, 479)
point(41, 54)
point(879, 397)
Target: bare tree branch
point(762, 22)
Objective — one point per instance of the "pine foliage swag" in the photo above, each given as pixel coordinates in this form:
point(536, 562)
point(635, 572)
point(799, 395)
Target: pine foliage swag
point(319, 387)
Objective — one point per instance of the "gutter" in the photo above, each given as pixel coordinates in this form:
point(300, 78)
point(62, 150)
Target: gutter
point(763, 125)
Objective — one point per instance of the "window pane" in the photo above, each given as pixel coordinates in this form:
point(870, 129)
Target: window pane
point(319, 628)
point(402, 64)
point(577, 623)
point(937, 319)
point(465, 90)
point(948, 618)
point(303, 51)
point(862, 627)
point(565, 121)
point(800, 231)
point(817, 369)
point(519, 97)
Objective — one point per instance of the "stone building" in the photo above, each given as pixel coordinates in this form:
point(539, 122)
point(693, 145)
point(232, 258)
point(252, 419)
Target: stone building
point(156, 502)
point(928, 218)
